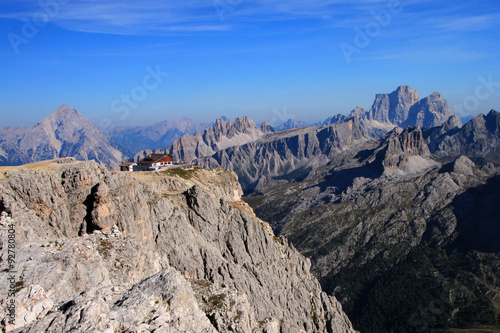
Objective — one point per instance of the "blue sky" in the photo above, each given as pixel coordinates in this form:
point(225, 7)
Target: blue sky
point(270, 60)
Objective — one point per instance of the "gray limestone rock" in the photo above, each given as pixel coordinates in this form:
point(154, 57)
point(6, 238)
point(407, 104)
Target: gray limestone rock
point(175, 253)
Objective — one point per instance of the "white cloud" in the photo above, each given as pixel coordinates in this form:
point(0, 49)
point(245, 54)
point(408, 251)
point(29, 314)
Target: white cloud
point(155, 17)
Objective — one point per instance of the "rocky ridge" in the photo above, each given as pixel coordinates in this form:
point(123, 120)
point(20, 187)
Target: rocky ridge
point(290, 124)
point(180, 251)
point(221, 135)
point(410, 215)
point(480, 137)
point(286, 156)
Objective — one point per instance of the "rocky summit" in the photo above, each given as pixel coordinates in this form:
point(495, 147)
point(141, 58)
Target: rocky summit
point(403, 108)
point(176, 251)
point(65, 132)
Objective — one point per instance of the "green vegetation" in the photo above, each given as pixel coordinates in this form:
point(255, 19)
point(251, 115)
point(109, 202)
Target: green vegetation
point(429, 291)
point(186, 174)
point(104, 247)
point(19, 286)
point(217, 300)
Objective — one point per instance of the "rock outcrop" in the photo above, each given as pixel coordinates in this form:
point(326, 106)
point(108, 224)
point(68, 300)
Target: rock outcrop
point(174, 252)
point(63, 133)
point(405, 152)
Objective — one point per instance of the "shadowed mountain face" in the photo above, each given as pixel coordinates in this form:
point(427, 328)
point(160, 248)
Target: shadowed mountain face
point(65, 132)
point(403, 230)
point(480, 137)
point(286, 156)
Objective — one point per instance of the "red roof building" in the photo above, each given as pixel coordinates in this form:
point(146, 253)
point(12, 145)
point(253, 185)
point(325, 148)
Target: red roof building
point(154, 162)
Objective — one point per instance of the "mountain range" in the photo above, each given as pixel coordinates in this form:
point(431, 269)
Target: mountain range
point(394, 207)
point(155, 136)
point(403, 230)
point(67, 133)
point(267, 156)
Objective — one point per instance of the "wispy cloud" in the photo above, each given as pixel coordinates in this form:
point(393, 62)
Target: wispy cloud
point(428, 55)
point(156, 17)
point(466, 23)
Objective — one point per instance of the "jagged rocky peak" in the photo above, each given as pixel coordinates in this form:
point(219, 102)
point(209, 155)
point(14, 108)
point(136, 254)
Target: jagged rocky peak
point(393, 107)
point(267, 128)
point(480, 136)
point(335, 119)
point(66, 121)
point(483, 125)
point(358, 112)
point(291, 124)
point(493, 121)
point(242, 125)
point(65, 132)
point(431, 111)
point(220, 129)
point(406, 151)
point(64, 111)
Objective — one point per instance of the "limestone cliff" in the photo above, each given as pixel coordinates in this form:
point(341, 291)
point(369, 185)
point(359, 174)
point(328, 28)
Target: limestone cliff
point(171, 252)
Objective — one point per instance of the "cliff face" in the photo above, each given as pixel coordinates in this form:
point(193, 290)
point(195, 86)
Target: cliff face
point(286, 156)
point(393, 107)
point(401, 108)
point(179, 251)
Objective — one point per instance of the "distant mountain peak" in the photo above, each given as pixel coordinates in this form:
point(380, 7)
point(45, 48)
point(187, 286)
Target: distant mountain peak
point(65, 110)
point(289, 124)
point(65, 132)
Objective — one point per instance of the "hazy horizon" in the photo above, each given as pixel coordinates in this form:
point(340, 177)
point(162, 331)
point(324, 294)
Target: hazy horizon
point(128, 64)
